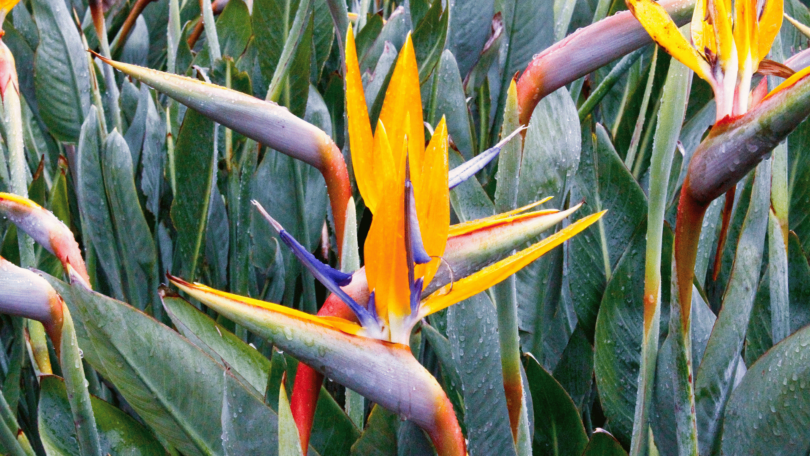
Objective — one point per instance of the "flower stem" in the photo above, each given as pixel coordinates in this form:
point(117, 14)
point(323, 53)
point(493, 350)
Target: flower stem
point(71, 360)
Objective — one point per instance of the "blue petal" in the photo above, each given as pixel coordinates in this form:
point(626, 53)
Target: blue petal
point(413, 235)
point(416, 295)
point(468, 169)
point(329, 277)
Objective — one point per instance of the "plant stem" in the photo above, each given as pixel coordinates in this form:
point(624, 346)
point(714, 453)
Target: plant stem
point(78, 396)
point(668, 129)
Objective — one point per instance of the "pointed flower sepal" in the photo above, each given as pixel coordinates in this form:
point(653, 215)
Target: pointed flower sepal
point(48, 231)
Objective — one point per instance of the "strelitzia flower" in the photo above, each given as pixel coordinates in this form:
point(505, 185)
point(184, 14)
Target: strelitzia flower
point(48, 231)
point(405, 185)
point(724, 51)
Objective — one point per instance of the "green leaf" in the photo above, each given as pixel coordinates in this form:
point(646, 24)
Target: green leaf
point(97, 224)
point(558, 428)
point(394, 31)
point(248, 425)
point(603, 444)
point(195, 155)
point(605, 183)
point(768, 412)
point(380, 436)
point(234, 28)
point(574, 371)
point(152, 158)
point(218, 342)
point(469, 29)
point(429, 37)
point(323, 34)
point(799, 284)
point(473, 337)
point(289, 443)
point(119, 433)
point(551, 153)
point(446, 98)
point(173, 386)
point(61, 73)
point(716, 373)
point(618, 339)
point(528, 29)
point(139, 256)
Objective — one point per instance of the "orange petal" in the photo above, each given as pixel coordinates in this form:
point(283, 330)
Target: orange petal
point(663, 31)
point(385, 254)
point(360, 138)
point(404, 97)
point(236, 304)
point(433, 201)
point(770, 22)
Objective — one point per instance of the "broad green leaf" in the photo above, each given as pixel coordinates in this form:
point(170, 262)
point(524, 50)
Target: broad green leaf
point(394, 31)
point(714, 379)
point(137, 126)
point(574, 371)
point(618, 339)
point(375, 84)
point(558, 428)
point(323, 34)
point(605, 183)
point(603, 444)
point(380, 436)
point(768, 412)
point(61, 73)
point(248, 425)
point(139, 256)
point(446, 98)
point(136, 48)
point(469, 29)
point(97, 222)
point(551, 152)
point(195, 156)
point(120, 434)
point(175, 387)
point(529, 29)
point(799, 284)
point(152, 158)
point(429, 37)
point(472, 331)
point(217, 241)
point(218, 342)
point(234, 29)
point(799, 183)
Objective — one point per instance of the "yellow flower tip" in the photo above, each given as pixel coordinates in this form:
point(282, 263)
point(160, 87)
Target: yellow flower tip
point(352, 17)
point(231, 304)
point(658, 23)
point(498, 272)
